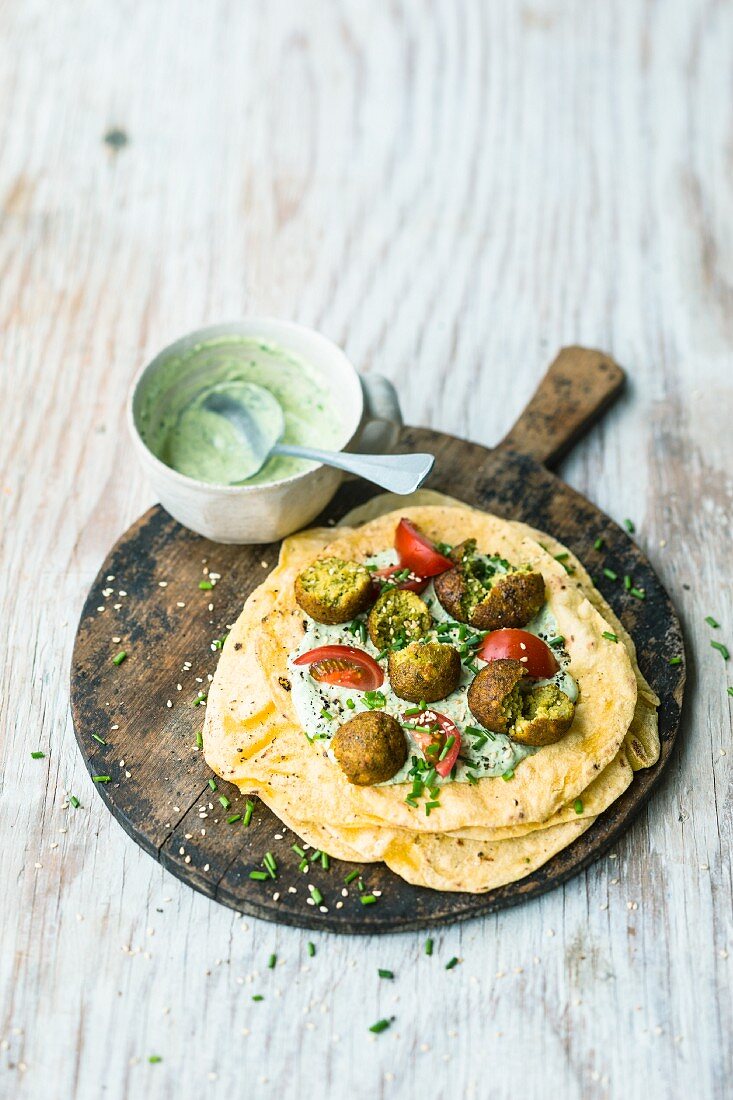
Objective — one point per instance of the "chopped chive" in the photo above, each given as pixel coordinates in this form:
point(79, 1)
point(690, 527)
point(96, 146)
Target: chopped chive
point(316, 855)
point(102, 778)
point(411, 801)
point(38, 755)
point(325, 862)
point(558, 641)
point(224, 801)
point(428, 947)
point(199, 740)
point(311, 949)
point(351, 876)
point(598, 544)
point(382, 654)
point(248, 810)
point(212, 784)
point(675, 661)
point(638, 593)
point(258, 997)
point(271, 962)
point(629, 525)
point(451, 963)
point(610, 574)
point(431, 806)
point(508, 775)
point(316, 894)
point(385, 973)
point(578, 805)
point(154, 1059)
point(74, 801)
point(472, 779)
point(627, 582)
point(381, 1025)
point(711, 622)
point(722, 650)
point(450, 742)
point(121, 656)
point(303, 865)
point(98, 739)
point(729, 690)
point(270, 864)
point(205, 586)
point(233, 817)
point(367, 899)
point(471, 666)
point(412, 711)
point(259, 876)
point(298, 851)
point(609, 635)
point(327, 715)
point(350, 704)
point(562, 557)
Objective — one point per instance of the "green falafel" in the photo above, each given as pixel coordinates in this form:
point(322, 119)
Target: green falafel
point(398, 614)
point(502, 699)
point(333, 591)
point(370, 748)
point(424, 672)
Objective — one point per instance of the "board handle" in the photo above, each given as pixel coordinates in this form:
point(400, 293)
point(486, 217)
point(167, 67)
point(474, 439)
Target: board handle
point(578, 386)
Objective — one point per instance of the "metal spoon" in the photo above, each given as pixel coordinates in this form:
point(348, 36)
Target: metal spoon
point(401, 474)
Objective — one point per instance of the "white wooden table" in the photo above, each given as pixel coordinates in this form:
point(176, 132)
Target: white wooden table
point(452, 191)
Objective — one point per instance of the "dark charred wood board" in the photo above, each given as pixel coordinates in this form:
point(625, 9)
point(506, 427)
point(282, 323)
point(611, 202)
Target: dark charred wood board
point(164, 621)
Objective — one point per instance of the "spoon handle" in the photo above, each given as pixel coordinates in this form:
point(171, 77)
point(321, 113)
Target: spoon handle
point(401, 474)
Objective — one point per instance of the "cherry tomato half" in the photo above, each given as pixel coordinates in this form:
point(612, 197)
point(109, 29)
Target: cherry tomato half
point(432, 744)
point(417, 552)
point(520, 645)
point(413, 582)
point(343, 665)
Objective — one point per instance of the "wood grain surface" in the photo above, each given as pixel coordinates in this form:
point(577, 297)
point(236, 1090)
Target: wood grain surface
point(450, 191)
point(162, 793)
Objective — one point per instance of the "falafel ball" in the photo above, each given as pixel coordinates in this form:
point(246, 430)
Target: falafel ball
point(494, 695)
point(512, 600)
point(501, 699)
point(332, 590)
point(547, 715)
point(398, 613)
point(475, 592)
point(424, 672)
point(370, 747)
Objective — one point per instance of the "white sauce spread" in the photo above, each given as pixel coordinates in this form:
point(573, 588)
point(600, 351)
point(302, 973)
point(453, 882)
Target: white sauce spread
point(482, 755)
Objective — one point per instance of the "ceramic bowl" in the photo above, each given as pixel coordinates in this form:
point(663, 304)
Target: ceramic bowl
point(370, 422)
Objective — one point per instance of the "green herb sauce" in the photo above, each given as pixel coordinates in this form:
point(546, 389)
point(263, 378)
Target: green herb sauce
point(204, 445)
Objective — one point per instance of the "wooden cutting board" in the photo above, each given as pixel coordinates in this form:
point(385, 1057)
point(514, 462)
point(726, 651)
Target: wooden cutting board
point(147, 595)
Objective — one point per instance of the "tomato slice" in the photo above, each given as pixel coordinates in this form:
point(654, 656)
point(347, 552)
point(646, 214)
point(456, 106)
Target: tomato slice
point(432, 744)
point(417, 552)
point(520, 645)
point(344, 666)
point(413, 583)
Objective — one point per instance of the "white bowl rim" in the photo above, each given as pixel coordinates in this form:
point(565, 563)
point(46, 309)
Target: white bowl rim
point(221, 328)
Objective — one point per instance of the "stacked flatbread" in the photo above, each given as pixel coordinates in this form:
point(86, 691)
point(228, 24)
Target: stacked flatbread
point(483, 835)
